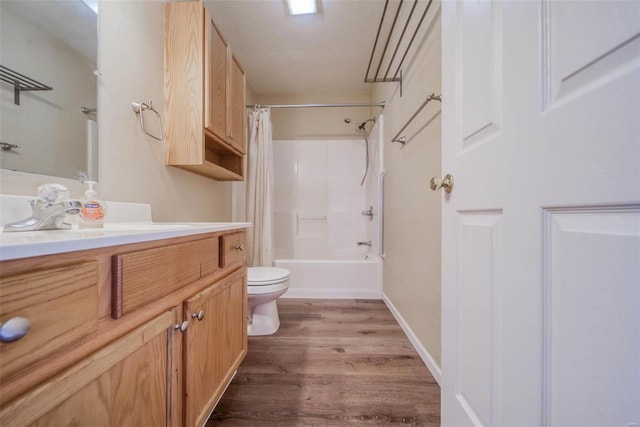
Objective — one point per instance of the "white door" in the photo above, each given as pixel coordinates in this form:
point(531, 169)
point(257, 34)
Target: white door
point(541, 233)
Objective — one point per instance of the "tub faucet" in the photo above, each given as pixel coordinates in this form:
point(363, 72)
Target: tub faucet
point(367, 243)
point(47, 216)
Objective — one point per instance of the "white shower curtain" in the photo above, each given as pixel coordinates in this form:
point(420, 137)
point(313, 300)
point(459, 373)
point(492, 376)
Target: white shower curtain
point(259, 188)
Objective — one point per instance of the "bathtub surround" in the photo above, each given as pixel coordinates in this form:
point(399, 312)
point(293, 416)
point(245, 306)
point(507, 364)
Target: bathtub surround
point(318, 218)
point(259, 189)
point(304, 123)
point(360, 277)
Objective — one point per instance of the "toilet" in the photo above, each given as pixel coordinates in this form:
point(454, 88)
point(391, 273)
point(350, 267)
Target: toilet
point(264, 285)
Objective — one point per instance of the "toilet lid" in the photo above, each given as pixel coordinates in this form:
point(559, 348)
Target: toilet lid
point(257, 276)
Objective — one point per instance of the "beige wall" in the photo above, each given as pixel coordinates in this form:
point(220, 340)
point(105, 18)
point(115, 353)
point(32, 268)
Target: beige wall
point(412, 210)
point(131, 61)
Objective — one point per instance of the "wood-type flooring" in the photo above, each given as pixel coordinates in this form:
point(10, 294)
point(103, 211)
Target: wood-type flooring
point(331, 363)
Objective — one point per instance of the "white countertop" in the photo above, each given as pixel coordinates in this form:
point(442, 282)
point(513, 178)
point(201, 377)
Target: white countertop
point(24, 244)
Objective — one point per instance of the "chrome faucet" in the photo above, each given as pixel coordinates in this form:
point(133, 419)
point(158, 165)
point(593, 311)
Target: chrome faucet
point(367, 243)
point(47, 216)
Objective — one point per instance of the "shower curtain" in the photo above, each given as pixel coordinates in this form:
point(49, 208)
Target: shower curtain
point(259, 189)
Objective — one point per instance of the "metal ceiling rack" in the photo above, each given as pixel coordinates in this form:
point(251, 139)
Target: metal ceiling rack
point(402, 139)
point(20, 82)
point(381, 52)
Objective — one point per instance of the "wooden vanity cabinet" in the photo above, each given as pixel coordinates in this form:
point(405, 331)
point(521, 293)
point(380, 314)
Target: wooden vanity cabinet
point(204, 96)
point(61, 304)
point(127, 383)
point(214, 345)
point(164, 360)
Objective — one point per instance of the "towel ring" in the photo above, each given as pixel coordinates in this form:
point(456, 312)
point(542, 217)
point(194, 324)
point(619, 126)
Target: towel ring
point(139, 108)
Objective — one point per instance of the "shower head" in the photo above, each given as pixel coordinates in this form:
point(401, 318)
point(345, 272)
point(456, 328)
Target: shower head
point(348, 120)
point(360, 125)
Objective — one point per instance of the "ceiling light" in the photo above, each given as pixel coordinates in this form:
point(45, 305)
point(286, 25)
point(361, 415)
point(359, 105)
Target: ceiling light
point(302, 7)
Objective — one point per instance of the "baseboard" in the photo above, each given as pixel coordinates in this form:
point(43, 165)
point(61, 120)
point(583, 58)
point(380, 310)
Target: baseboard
point(321, 293)
point(428, 360)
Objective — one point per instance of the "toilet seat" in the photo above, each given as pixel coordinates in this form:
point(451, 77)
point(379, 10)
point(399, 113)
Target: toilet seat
point(267, 289)
point(266, 276)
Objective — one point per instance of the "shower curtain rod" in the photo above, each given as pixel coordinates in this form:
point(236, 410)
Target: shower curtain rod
point(376, 104)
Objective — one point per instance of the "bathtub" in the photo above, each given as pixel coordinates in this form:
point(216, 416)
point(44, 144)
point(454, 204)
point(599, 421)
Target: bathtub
point(357, 277)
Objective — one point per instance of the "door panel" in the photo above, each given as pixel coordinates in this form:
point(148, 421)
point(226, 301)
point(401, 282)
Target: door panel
point(592, 318)
point(480, 37)
point(475, 376)
point(540, 247)
point(580, 52)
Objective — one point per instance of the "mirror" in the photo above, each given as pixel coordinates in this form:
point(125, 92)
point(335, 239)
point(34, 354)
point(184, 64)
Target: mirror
point(48, 88)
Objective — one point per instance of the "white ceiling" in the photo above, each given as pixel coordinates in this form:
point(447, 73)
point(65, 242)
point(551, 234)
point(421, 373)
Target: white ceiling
point(287, 54)
point(281, 54)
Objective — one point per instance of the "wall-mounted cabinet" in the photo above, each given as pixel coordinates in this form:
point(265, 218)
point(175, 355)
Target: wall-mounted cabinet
point(204, 96)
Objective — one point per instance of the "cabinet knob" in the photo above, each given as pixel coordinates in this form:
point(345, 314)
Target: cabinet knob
point(14, 329)
point(232, 136)
point(182, 326)
point(199, 315)
point(240, 248)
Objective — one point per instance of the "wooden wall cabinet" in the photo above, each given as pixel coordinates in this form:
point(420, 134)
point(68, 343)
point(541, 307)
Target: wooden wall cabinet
point(204, 96)
point(163, 360)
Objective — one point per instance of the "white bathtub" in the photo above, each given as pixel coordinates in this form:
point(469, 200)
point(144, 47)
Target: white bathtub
point(359, 278)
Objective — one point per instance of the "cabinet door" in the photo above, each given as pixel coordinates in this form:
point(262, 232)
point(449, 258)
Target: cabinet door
point(215, 80)
point(129, 382)
point(237, 106)
point(215, 343)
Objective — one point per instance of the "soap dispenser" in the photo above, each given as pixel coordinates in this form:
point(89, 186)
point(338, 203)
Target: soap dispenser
point(92, 211)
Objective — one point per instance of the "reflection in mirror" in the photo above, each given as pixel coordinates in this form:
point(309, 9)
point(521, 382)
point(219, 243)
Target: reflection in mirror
point(54, 126)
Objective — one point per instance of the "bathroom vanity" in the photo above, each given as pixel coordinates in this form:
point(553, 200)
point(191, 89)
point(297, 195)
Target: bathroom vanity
point(141, 325)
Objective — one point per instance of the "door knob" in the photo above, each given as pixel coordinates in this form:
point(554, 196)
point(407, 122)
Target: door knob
point(446, 183)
